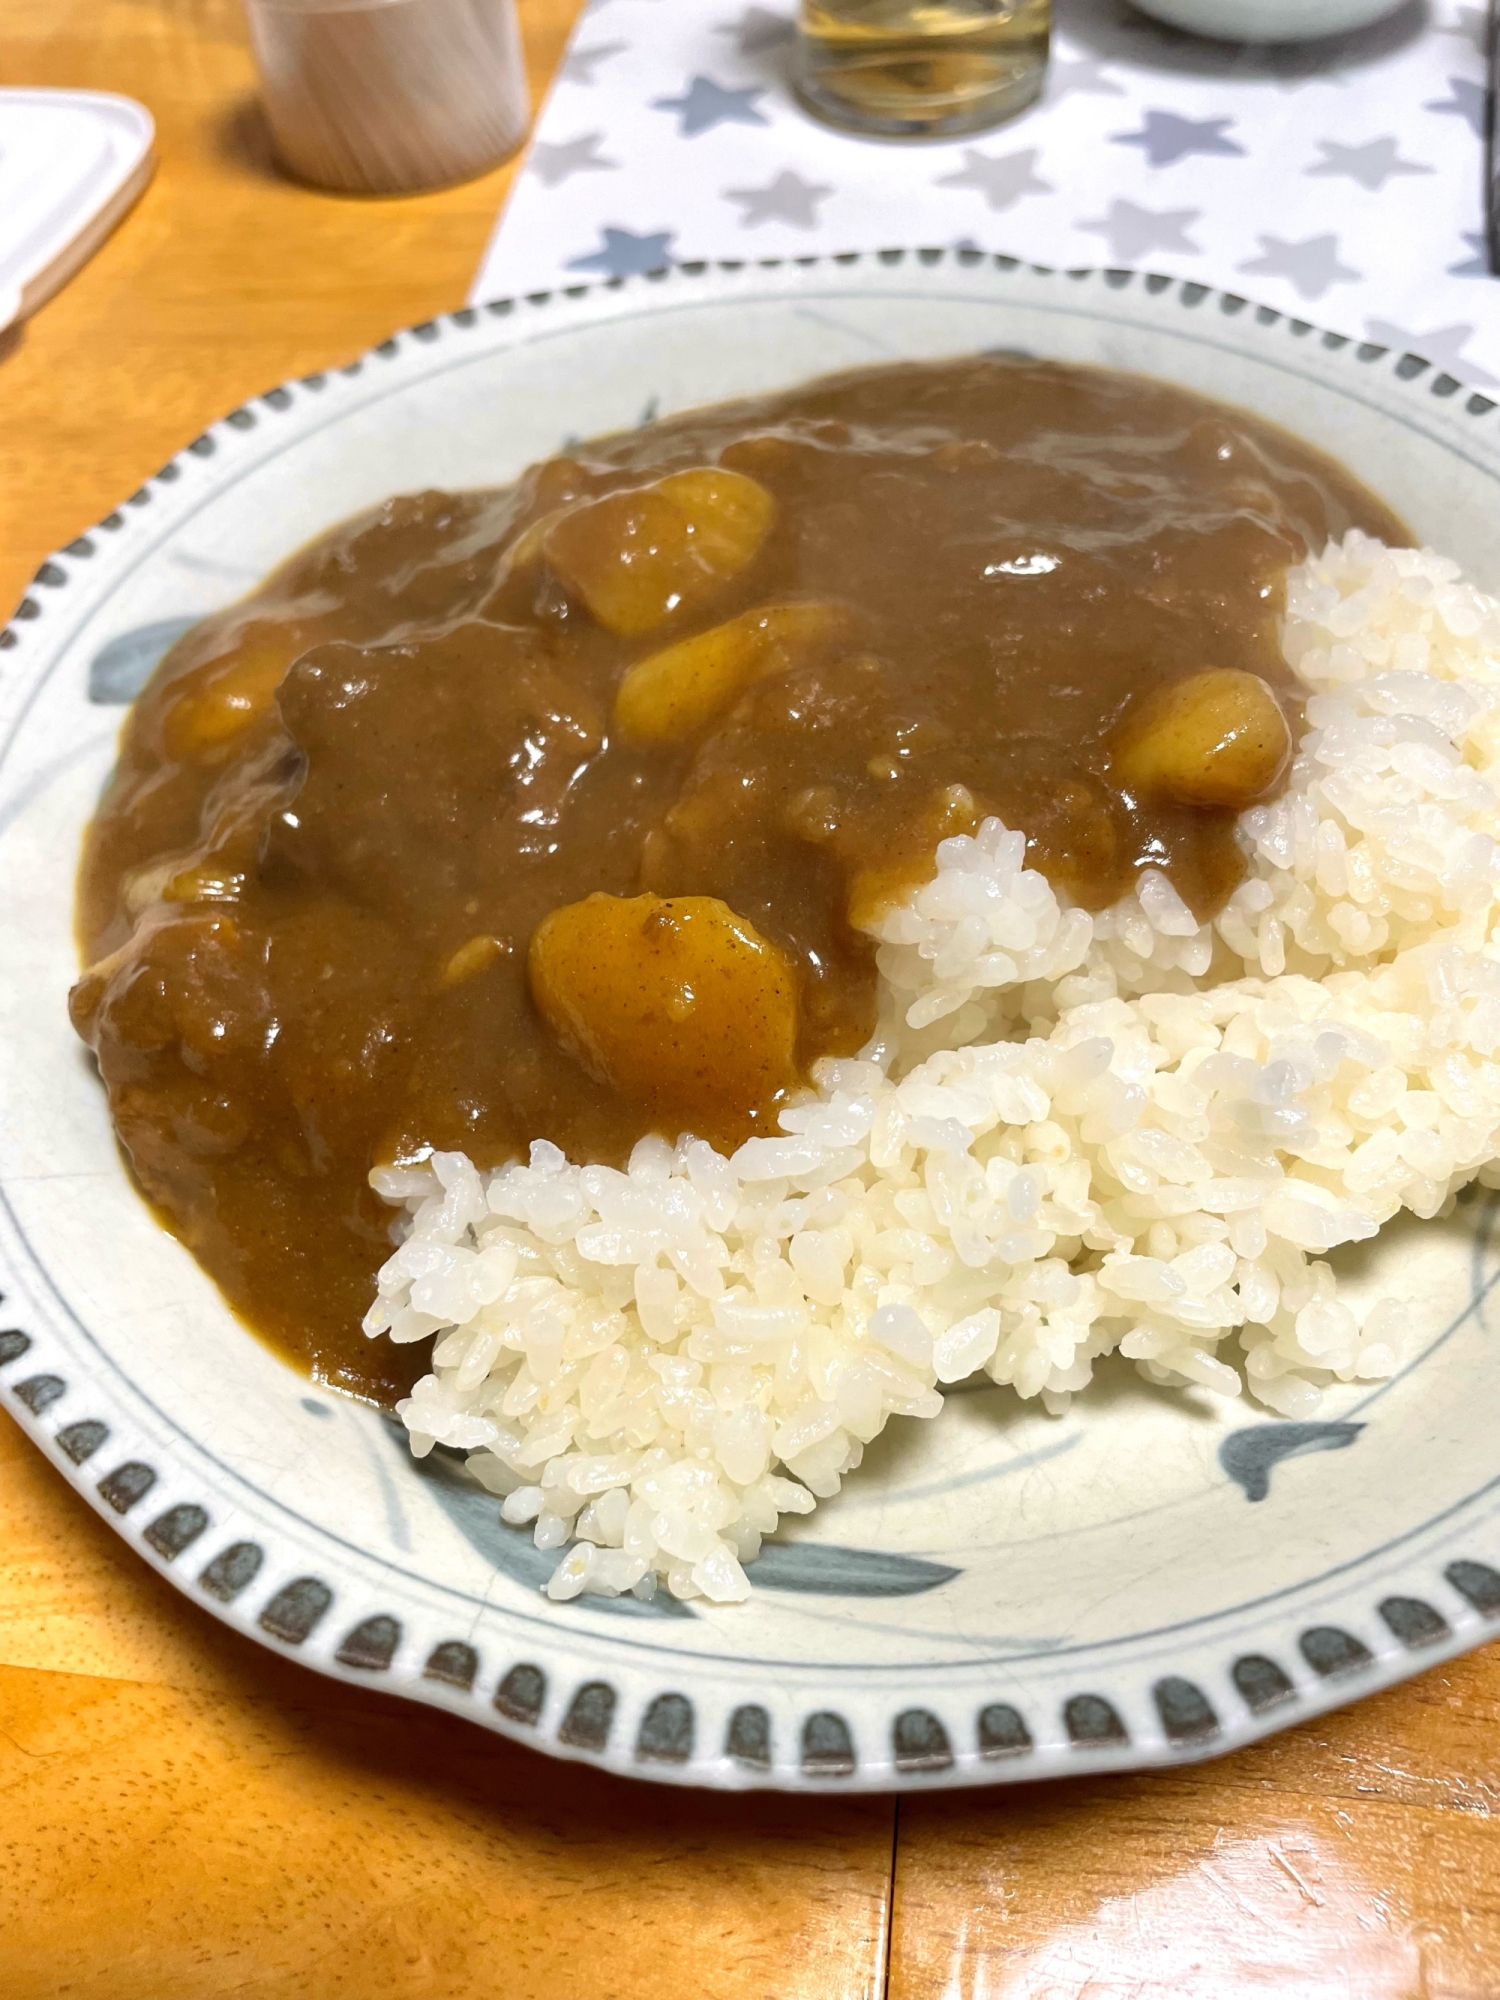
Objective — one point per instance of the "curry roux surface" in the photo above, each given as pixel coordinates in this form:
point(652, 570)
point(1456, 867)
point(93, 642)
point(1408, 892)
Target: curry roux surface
point(343, 806)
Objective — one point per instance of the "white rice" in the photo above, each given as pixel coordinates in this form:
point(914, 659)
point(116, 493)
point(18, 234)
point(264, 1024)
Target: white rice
point(1070, 1135)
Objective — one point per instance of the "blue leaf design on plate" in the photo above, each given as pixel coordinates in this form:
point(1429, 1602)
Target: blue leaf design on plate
point(476, 1515)
point(1251, 1455)
point(824, 1570)
point(122, 668)
point(819, 1569)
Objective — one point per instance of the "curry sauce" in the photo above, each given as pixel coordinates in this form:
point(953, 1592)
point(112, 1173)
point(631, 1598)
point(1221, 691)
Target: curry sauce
point(553, 811)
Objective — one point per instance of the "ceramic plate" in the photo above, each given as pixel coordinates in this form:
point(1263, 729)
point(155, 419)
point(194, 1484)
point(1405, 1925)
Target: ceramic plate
point(997, 1595)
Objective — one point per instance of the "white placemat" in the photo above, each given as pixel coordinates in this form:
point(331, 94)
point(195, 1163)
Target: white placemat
point(1341, 181)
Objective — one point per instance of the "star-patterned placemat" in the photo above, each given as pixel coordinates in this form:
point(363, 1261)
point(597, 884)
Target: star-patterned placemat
point(1340, 180)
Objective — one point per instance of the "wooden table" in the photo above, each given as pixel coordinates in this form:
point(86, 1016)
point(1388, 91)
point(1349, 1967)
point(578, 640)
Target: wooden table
point(183, 1815)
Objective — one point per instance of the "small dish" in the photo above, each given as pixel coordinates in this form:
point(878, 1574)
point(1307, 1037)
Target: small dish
point(1269, 20)
point(997, 1595)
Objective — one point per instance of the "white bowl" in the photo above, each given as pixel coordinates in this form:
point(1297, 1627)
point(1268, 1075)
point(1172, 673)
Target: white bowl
point(997, 1595)
point(1269, 20)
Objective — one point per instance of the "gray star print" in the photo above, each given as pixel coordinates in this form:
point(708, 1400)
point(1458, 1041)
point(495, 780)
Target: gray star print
point(1165, 138)
point(1001, 180)
point(1467, 102)
point(1312, 265)
point(756, 29)
point(788, 198)
point(553, 164)
point(1443, 347)
point(622, 254)
point(1477, 266)
point(1131, 231)
point(1086, 76)
point(1372, 164)
point(578, 65)
point(705, 104)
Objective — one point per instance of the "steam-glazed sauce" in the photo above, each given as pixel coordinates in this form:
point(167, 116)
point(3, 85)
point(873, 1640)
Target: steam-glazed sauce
point(733, 675)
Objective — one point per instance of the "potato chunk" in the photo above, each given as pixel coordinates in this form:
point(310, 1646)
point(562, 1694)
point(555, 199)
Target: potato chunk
point(1218, 738)
point(223, 697)
point(675, 1002)
point(728, 513)
point(477, 955)
point(637, 556)
point(672, 694)
point(526, 550)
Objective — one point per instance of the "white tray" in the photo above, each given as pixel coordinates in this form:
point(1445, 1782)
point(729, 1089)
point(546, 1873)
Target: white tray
point(72, 162)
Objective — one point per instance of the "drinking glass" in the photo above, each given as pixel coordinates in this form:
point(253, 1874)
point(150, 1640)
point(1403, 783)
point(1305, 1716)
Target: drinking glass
point(920, 68)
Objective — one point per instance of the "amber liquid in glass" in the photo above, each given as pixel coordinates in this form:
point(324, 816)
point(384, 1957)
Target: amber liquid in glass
point(921, 68)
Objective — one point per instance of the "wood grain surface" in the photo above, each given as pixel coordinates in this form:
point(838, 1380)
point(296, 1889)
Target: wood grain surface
point(183, 1815)
point(1355, 1858)
point(224, 280)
